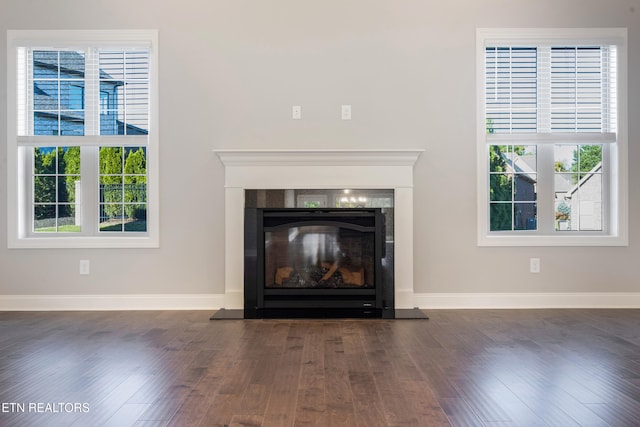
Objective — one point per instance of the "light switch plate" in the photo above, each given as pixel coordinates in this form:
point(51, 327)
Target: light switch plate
point(346, 112)
point(296, 112)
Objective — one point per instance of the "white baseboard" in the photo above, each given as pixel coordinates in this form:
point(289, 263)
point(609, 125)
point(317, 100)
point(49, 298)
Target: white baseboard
point(217, 301)
point(233, 300)
point(111, 302)
point(528, 300)
point(404, 298)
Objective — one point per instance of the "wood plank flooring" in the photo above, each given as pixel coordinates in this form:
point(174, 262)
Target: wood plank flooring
point(460, 368)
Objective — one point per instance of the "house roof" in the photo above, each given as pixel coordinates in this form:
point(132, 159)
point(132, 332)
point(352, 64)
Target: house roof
point(595, 171)
point(562, 182)
point(522, 164)
point(71, 63)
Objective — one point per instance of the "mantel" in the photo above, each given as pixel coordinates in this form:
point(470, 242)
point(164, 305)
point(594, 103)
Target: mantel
point(319, 157)
point(318, 169)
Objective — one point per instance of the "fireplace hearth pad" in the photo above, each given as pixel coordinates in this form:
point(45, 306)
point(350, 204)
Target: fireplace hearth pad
point(399, 314)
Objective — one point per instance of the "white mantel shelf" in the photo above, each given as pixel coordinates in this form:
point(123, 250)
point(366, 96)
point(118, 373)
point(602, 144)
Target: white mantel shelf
point(318, 169)
point(319, 157)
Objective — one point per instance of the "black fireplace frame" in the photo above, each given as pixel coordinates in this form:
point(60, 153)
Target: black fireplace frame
point(260, 302)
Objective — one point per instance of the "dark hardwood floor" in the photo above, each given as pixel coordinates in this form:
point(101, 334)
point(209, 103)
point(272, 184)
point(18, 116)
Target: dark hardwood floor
point(461, 368)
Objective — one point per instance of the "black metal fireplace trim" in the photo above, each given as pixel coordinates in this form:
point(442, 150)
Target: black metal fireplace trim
point(376, 302)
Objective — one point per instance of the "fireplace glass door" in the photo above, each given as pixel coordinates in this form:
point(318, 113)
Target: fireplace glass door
point(319, 256)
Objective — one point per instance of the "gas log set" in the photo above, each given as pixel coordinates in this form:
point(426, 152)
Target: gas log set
point(327, 275)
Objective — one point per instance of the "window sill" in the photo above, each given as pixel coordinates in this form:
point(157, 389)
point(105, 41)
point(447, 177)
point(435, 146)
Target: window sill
point(564, 240)
point(120, 242)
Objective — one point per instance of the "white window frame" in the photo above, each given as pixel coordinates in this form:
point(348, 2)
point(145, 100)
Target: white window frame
point(18, 156)
point(615, 195)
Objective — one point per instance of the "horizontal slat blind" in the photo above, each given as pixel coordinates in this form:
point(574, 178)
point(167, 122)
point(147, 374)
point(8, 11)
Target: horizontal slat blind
point(579, 84)
point(564, 89)
point(124, 92)
point(511, 97)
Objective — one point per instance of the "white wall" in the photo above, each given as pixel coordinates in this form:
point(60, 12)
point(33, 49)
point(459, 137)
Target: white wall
point(230, 72)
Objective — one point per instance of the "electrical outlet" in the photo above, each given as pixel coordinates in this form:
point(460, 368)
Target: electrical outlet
point(85, 267)
point(534, 265)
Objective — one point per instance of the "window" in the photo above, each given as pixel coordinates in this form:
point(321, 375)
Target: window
point(552, 137)
point(82, 139)
point(311, 201)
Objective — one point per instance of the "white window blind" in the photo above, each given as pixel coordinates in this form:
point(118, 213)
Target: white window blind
point(583, 87)
point(550, 89)
point(511, 89)
point(124, 81)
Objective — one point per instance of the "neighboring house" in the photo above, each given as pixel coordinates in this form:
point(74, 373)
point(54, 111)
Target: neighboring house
point(585, 201)
point(59, 98)
point(524, 176)
point(578, 206)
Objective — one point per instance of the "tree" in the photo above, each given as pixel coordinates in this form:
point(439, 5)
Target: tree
point(69, 166)
point(72, 161)
point(44, 182)
point(559, 166)
point(111, 181)
point(585, 158)
point(62, 197)
point(135, 182)
point(500, 189)
point(56, 171)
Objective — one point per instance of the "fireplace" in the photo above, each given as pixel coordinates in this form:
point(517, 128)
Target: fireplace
point(316, 263)
point(244, 169)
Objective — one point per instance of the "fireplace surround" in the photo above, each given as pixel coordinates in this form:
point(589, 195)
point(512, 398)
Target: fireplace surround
point(323, 168)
